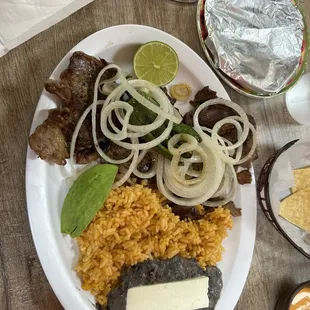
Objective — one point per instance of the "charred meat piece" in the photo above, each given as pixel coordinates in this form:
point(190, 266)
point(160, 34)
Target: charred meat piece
point(66, 120)
point(146, 163)
point(248, 164)
point(86, 156)
point(75, 89)
point(229, 132)
point(61, 89)
point(244, 177)
point(172, 100)
point(186, 212)
point(209, 116)
point(197, 166)
point(248, 145)
point(50, 139)
point(49, 143)
point(203, 95)
point(77, 81)
point(252, 120)
point(209, 209)
point(117, 152)
point(236, 212)
point(85, 150)
point(152, 183)
point(85, 137)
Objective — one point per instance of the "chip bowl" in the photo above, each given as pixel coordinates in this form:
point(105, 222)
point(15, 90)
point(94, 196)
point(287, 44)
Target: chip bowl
point(263, 195)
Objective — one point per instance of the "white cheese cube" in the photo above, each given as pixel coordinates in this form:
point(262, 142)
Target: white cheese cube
point(189, 294)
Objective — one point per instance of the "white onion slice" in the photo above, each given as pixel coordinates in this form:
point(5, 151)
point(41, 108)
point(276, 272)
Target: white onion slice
point(93, 107)
point(148, 104)
point(120, 135)
point(229, 197)
point(165, 105)
point(225, 184)
point(107, 88)
point(214, 177)
point(178, 172)
point(229, 120)
point(219, 124)
point(186, 147)
point(130, 169)
point(254, 142)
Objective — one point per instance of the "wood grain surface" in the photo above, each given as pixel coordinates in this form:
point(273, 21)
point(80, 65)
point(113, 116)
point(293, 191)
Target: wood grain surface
point(23, 285)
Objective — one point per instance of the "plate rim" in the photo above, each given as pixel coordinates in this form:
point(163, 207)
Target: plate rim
point(249, 241)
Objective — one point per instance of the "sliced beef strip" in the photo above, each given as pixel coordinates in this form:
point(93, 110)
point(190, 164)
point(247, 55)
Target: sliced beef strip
point(209, 116)
point(203, 95)
point(209, 209)
point(247, 145)
point(244, 177)
point(85, 150)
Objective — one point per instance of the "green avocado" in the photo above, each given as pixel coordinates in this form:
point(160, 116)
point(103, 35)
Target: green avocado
point(86, 197)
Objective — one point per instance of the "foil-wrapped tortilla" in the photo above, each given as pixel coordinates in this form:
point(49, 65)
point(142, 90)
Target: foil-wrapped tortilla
point(257, 43)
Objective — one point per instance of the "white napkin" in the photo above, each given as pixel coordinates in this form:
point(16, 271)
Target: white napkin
point(20, 20)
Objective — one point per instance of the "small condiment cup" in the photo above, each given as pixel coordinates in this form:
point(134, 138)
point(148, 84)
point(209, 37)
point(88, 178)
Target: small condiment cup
point(298, 100)
point(286, 300)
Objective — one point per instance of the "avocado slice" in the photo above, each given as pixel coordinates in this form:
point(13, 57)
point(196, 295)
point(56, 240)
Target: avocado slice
point(85, 198)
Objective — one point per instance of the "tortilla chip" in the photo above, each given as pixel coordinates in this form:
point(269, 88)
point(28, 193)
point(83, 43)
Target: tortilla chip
point(296, 209)
point(302, 179)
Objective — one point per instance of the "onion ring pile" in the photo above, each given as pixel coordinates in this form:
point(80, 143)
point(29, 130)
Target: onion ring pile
point(178, 179)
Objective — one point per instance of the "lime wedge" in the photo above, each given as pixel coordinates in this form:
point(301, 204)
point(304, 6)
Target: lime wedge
point(156, 62)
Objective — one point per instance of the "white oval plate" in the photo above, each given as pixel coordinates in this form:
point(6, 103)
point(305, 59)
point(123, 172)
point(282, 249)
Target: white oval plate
point(46, 188)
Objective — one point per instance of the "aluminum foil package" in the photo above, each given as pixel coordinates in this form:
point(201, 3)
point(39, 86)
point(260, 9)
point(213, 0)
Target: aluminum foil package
point(257, 43)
